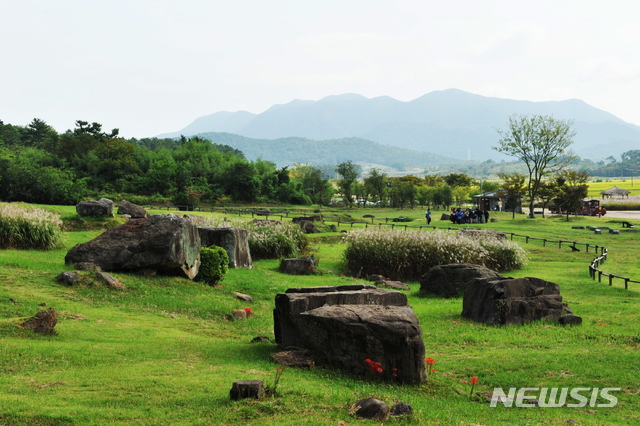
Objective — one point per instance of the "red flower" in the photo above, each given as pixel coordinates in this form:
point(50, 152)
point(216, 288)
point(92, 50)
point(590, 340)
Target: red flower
point(248, 309)
point(434, 370)
point(474, 380)
point(430, 361)
point(368, 361)
point(379, 370)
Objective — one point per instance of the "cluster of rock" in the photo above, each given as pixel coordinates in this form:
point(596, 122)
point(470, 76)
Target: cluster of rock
point(101, 207)
point(163, 244)
point(345, 325)
point(507, 301)
point(491, 298)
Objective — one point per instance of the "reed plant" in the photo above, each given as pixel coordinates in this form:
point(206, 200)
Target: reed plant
point(406, 255)
point(268, 239)
point(29, 228)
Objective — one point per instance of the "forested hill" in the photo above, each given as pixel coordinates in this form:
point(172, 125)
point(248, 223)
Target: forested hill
point(287, 151)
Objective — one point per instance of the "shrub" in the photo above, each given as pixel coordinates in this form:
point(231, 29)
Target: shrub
point(29, 228)
point(214, 264)
point(407, 255)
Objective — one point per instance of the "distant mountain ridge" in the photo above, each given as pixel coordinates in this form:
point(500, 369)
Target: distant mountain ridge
point(287, 151)
point(450, 123)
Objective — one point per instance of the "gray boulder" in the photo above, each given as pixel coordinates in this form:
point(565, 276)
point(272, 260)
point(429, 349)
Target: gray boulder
point(512, 301)
point(451, 280)
point(299, 265)
point(133, 210)
point(372, 409)
point(167, 244)
point(102, 207)
point(346, 335)
point(234, 241)
point(345, 326)
point(68, 278)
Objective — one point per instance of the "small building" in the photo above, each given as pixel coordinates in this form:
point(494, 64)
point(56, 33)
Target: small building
point(615, 192)
point(493, 201)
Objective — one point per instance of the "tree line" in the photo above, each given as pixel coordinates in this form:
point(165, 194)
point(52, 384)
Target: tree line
point(39, 165)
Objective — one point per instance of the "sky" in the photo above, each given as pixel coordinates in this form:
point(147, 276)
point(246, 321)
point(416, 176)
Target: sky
point(148, 67)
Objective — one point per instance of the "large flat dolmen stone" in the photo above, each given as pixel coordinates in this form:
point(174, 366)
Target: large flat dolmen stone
point(345, 335)
point(289, 306)
point(331, 288)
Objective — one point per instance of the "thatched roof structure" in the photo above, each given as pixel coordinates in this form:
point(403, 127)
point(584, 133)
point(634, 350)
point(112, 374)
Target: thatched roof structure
point(615, 192)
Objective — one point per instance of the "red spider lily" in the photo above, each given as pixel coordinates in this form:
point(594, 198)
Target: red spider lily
point(430, 361)
point(248, 309)
point(474, 382)
point(376, 367)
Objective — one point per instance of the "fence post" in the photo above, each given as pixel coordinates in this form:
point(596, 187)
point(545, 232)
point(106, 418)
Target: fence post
point(544, 242)
point(626, 283)
point(610, 279)
point(599, 276)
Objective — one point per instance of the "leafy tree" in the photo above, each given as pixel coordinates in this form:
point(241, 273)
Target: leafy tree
point(375, 184)
point(458, 179)
point(314, 184)
point(242, 183)
point(348, 175)
point(39, 134)
point(513, 189)
point(442, 195)
point(541, 142)
point(572, 188)
point(547, 192)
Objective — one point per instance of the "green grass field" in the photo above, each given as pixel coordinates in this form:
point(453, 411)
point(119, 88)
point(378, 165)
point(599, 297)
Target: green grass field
point(165, 352)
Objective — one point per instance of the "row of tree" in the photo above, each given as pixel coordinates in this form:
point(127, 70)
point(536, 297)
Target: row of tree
point(41, 166)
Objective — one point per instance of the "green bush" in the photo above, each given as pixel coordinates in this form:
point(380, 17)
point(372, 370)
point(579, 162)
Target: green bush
point(29, 228)
point(214, 264)
point(407, 255)
point(273, 240)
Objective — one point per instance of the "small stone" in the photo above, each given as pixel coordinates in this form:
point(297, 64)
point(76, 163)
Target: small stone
point(259, 339)
point(243, 389)
point(110, 281)
point(43, 322)
point(239, 314)
point(68, 278)
point(371, 408)
point(570, 320)
point(401, 409)
point(244, 297)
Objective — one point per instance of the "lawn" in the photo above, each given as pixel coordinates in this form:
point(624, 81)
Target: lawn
point(165, 351)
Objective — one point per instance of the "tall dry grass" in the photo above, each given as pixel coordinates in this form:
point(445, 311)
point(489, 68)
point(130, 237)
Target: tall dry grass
point(29, 228)
point(407, 255)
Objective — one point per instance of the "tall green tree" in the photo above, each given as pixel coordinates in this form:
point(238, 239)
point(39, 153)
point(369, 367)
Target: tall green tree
point(513, 189)
point(375, 184)
point(348, 175)
point(541, 142)
point(572, 188)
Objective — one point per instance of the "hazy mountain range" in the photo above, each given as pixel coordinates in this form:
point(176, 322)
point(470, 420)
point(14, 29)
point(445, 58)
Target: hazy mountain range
point(450, 123)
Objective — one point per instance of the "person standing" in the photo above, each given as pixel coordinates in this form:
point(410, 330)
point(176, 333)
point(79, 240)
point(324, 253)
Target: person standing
point(428, 216)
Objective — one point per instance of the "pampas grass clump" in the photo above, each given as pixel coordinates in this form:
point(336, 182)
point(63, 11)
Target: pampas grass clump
point(29, 228)
point(408, 255)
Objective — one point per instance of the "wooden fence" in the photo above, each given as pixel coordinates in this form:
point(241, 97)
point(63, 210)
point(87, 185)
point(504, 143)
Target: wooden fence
point(329, 217)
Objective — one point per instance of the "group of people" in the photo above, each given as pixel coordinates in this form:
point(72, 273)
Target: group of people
point(461, 216)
